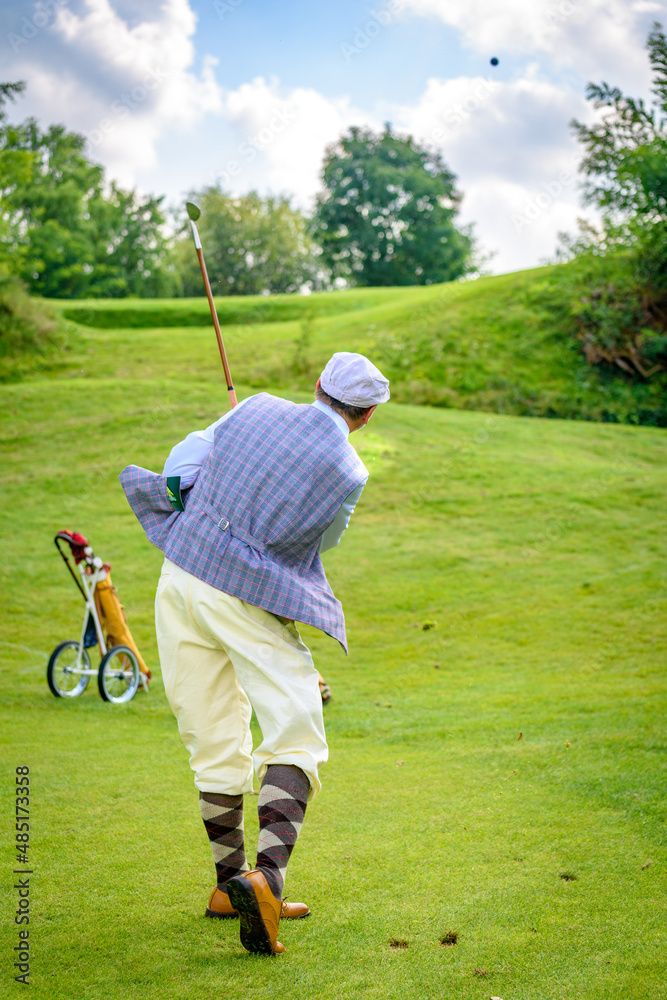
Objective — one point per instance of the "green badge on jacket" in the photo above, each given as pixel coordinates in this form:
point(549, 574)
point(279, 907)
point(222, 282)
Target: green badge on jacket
point(174, 492)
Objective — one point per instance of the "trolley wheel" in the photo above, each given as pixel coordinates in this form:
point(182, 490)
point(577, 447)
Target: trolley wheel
point(118, 677)
point(60, 672)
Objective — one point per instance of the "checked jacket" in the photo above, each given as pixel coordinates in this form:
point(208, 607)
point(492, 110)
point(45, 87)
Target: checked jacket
point(272, 483)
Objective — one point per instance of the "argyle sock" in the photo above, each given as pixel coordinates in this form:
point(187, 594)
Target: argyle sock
point(223, 819)
point(281, 807)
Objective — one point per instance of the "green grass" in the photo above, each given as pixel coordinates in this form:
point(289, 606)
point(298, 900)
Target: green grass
point(501, 344)
point(232, 309)
point(535, 548)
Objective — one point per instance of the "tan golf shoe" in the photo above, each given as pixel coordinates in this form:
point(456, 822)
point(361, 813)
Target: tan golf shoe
point(259, 911)
point(219, 906)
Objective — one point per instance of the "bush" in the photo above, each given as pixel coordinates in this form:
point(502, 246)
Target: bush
point(29, 330)
point(616, 287)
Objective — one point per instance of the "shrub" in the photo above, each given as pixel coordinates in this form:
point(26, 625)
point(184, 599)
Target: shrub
point(617, 292)
point(29, 330)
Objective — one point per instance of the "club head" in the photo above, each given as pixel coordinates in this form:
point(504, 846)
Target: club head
point(193, 211)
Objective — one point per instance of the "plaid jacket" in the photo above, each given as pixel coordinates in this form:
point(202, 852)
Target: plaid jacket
point(272, 483)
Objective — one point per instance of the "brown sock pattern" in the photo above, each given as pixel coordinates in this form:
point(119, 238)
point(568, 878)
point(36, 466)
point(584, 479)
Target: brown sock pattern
point(223, 819)
point(281, 807)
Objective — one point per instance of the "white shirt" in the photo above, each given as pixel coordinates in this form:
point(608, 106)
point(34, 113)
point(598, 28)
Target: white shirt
point(187, 457)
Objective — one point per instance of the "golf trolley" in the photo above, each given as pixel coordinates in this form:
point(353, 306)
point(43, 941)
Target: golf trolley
point(121, 669)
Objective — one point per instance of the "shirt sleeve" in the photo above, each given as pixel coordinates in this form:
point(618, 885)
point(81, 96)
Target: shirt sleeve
point(334, 532)
point(187, 457)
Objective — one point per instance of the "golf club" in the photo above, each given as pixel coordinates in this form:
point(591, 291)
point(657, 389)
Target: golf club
point(193, 214)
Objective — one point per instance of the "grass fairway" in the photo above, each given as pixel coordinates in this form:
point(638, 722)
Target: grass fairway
point(497, 734)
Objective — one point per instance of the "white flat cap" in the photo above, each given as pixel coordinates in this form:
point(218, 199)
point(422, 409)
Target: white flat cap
point(353, 379)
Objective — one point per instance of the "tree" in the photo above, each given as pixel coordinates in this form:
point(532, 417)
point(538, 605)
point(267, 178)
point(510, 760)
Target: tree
point(252, 245)
point(15, 165)
point(626, 152)
point(130, 237)
point(63, 233)
point(617, 283)
point(386, 215)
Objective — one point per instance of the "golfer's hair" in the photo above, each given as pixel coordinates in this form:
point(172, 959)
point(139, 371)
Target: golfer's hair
point(345, 409)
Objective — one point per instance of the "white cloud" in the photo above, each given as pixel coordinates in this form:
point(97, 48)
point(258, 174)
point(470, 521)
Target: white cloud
point(515, 25)
point(521, 225)
point(122, 86)
point(282, 136)
point(595, 37)
point(513, 129)
point(514, 156)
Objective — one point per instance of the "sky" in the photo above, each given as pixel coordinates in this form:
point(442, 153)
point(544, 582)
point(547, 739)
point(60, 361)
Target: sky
point(178, 94)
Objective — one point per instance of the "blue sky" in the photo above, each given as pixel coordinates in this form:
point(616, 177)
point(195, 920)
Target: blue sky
point(301, 41)
point(177, 94)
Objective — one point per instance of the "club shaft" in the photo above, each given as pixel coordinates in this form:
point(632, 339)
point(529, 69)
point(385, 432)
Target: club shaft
point(216, 323)
point(69, 567)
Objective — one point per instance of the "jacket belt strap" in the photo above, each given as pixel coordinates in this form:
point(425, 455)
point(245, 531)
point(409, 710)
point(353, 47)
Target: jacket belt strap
point(224, 524)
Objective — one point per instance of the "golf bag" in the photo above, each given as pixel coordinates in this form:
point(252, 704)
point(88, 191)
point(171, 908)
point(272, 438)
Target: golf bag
point(122, 667)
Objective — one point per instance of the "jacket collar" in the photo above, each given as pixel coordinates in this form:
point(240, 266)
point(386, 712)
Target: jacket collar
point(339, 421)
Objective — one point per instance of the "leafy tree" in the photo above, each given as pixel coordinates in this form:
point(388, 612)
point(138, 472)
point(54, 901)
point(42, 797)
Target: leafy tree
point(61, 232)
point(14, 165)
point(130, 235)
point(386, 215)
point(617, 282)
point(252, 245)
point(626, 152)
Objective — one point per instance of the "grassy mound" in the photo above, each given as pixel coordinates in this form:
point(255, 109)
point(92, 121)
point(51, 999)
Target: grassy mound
point(502, 344)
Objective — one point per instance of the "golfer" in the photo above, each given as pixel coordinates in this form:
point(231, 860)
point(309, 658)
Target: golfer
point(267, 488)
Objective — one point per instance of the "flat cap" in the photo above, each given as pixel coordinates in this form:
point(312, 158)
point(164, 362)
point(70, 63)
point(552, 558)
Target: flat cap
point(353, 379)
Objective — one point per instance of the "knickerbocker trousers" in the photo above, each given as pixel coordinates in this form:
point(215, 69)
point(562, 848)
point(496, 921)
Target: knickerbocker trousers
point(220, 656)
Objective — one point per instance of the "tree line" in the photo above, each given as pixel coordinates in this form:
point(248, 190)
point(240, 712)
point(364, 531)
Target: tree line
point(386, 216)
